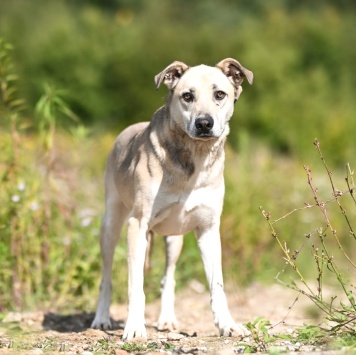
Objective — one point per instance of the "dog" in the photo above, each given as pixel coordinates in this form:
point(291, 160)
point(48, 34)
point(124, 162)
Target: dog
point(166, 177)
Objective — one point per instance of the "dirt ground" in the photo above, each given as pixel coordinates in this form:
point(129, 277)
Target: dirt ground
point(36, 333)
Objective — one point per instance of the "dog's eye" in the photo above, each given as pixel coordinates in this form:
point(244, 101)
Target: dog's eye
point(219, 95)
point(188, 97)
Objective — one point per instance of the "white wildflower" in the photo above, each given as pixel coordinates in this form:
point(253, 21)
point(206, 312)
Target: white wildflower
point(34, 206)
point(85, 222)
point(21, 186)
point(15, 198)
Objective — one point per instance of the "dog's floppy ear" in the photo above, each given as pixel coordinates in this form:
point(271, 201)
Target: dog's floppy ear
point(236, 73)
point(171, 75)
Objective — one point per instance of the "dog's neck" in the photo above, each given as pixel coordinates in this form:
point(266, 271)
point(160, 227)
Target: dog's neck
point(183, 152)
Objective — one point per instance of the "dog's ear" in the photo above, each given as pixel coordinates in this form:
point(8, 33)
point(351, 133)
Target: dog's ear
point(236, 73)
point(171, 75)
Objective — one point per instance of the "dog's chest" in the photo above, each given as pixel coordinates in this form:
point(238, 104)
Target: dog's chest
point(180, 213)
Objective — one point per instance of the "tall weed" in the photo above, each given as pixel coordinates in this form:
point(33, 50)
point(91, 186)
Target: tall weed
point(329, 250)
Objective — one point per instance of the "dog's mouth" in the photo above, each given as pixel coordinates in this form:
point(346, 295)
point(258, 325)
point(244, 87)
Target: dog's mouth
point(205, 136)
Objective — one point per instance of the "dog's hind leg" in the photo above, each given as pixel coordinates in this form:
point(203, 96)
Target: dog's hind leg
point(112, 221)
point(167, 318)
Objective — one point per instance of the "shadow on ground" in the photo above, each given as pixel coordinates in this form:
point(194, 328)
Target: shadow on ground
point(73, 322)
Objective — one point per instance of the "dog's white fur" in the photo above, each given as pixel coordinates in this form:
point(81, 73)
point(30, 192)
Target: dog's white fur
point(166, 177)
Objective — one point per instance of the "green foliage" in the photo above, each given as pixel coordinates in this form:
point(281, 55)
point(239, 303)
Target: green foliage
point(106, 53)
point(311, 333)
point(50, 108)
point(306, 338)
point(318, 335)
point(40, 231)
point(104, 344)
point(10, 105)
point(135, 347)
point(259, 334)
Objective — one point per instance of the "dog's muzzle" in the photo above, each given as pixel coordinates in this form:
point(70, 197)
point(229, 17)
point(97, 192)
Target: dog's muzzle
point(204, 126)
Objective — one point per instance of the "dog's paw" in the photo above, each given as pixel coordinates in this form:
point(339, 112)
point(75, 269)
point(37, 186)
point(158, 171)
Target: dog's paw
point(134, 330)
point(167, 323)
point(101, 322)
point(236, 330)
point(228, 328)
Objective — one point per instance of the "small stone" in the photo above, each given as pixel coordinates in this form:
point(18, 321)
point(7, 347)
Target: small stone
point(174, 336)
point(240, 349)
point(203, 349)
point(12, 317)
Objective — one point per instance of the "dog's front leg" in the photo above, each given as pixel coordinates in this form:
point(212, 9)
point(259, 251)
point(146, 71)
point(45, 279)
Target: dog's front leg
point(136, 249)
point(210, 248)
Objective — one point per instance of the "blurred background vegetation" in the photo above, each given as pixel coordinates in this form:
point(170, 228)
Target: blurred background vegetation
point(84, 70)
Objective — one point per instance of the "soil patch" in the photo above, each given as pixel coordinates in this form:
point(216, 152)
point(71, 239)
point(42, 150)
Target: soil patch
point(38, 332)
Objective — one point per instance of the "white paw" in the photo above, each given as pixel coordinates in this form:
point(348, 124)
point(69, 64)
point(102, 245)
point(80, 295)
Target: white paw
point(228, 327)
point(134, 330)
point(101, 322)
point(235, 329)
point(167, 323)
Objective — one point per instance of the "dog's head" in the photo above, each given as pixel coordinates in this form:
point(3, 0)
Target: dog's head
point(202, 97)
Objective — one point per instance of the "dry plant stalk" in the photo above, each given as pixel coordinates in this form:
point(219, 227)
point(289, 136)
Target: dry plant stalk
point(343, 315)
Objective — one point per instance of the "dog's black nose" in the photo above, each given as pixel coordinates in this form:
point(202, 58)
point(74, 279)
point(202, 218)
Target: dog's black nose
point(204, 124)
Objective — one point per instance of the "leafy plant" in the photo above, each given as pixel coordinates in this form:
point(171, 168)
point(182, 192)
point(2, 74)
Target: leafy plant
point(134, 347)
point(50, 110)
point(260, 337)
point(330, 257)
point(103, 344)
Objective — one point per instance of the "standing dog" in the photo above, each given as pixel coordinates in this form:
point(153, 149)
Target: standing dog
point(166, 177)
